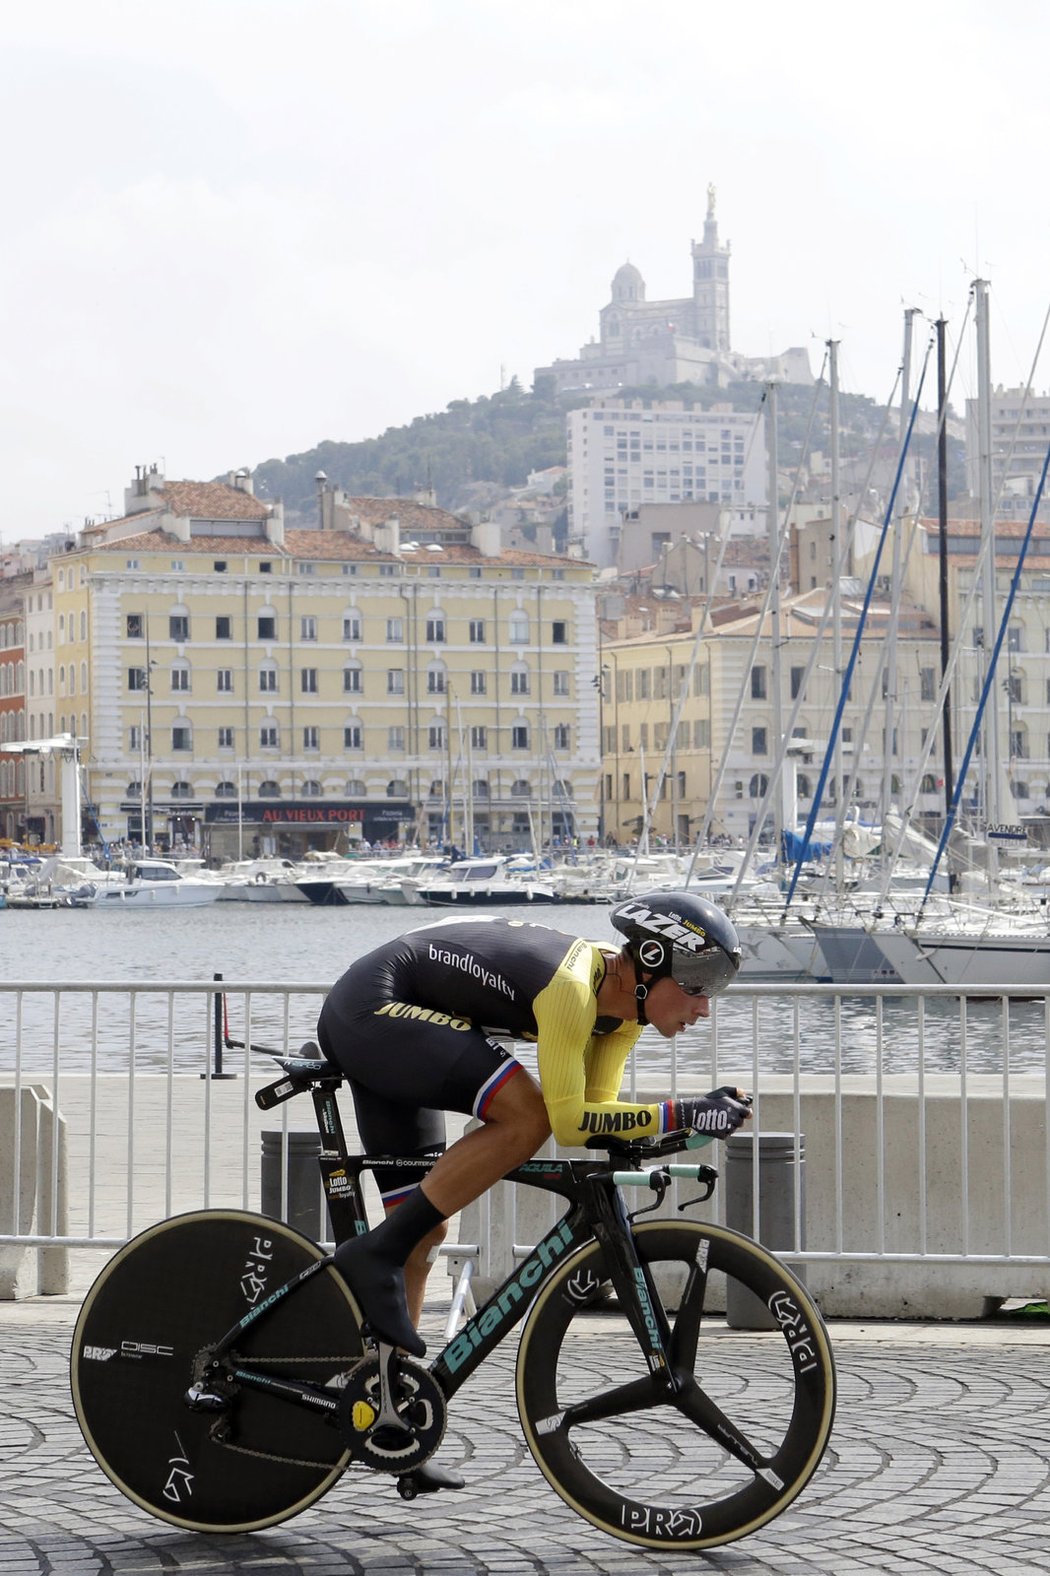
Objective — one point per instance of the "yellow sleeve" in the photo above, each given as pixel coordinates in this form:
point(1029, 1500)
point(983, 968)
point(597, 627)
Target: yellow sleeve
point(579, 1072)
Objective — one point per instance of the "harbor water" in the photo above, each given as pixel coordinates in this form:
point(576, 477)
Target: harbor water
point(299, 944)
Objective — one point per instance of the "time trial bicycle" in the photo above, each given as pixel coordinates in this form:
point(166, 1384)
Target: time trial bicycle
point(224, 1380)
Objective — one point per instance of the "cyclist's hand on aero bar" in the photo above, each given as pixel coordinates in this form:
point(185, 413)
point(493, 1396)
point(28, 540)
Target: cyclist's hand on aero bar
point(717, 1114)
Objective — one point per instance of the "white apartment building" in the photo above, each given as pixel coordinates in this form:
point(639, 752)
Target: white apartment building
point(625, 454)
point(1020, 430)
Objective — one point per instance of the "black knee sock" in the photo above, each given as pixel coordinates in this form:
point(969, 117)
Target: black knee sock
point(404, 1227)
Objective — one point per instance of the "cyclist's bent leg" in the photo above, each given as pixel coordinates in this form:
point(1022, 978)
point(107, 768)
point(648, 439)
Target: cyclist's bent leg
point(404, 1072)
point(515, 1124)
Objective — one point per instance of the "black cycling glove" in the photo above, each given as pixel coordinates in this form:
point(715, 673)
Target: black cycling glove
point(718, 1113)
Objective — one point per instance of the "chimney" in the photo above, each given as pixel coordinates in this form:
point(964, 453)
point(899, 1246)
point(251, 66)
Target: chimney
point(485, 536)
point(137, 497)
point(387, 536)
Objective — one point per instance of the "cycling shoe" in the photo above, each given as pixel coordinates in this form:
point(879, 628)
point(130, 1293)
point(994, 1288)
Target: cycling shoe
point(379, 1287)
point(427, 1479)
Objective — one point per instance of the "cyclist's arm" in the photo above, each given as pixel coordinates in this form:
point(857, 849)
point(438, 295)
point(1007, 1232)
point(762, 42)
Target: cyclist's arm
point(606, 1059)
point(579, 1079)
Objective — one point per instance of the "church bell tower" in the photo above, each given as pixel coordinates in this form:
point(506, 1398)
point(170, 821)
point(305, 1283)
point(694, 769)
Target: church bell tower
point(711, 284)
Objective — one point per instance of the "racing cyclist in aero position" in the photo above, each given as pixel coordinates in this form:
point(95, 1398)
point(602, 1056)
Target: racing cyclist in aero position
point(409, 1025)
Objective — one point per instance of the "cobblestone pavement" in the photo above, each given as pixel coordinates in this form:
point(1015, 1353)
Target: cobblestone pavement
point(940, 1460)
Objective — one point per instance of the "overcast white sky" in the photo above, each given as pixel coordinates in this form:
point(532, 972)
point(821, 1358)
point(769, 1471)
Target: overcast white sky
point(234, 228)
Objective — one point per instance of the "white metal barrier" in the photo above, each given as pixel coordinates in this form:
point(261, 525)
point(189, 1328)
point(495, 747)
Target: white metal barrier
point(925, 1117)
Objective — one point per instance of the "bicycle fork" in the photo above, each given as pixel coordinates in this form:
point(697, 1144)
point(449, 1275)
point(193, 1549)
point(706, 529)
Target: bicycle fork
point(632, 1279)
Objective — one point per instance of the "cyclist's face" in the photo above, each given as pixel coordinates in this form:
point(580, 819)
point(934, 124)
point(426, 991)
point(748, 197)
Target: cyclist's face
point(670, 1009)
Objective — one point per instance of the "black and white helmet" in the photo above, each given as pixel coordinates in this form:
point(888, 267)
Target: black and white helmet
point(683, 935)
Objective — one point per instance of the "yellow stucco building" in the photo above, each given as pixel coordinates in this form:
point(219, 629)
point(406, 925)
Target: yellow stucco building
point(392, 674)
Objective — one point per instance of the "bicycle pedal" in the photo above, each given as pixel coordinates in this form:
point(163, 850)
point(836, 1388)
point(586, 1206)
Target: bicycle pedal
point(428, 1478)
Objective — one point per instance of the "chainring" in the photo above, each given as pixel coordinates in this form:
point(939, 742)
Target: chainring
point(420, 1406)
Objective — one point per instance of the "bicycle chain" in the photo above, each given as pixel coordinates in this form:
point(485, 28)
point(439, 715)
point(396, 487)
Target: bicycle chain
point(312, 1357)
point(267, 1455)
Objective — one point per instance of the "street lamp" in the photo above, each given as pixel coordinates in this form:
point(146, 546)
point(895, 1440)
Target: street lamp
point(147, 814)
point(599, 683)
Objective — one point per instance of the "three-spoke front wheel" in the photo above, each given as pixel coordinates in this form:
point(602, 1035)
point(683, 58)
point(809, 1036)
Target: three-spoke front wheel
point(725, 1449)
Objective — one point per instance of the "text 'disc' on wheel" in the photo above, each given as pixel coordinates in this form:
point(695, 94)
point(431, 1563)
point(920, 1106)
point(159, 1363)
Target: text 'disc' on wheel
point(248, 1459)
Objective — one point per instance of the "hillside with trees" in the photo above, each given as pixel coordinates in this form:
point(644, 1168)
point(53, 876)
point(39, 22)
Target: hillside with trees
point(497, 439)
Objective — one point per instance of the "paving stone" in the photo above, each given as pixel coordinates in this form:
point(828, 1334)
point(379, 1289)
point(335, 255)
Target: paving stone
point(940, 1460)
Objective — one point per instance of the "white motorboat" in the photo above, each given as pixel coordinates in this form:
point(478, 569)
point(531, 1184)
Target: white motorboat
point(262, 881)
point(485, 882)
point(156, 883)
point(366, 881)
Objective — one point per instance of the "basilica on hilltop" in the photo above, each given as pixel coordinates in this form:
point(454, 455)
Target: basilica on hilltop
point(666, 342)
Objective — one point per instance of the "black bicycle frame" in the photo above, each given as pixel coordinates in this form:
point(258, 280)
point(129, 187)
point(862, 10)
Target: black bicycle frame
point(596, 1212)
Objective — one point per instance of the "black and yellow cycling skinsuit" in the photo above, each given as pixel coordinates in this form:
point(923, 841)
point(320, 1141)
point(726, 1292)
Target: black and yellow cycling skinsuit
point(410, 1023)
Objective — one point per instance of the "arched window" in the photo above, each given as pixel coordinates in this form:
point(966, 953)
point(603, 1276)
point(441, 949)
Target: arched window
point(758, 786)
point(519, 628)
point(929, 783)
point(479, 788)
point(1019, 790)
point(83, 678)
point(133, 791)
point(226, 790)
point(355, 788)
point(805, 787)
point(397, 788)
point(437, 789)
point(436, 678)
point(522, 789)
point(180, 676)
point(311, 789)
point(269, 789)
point(519, 679)
point(182, 790)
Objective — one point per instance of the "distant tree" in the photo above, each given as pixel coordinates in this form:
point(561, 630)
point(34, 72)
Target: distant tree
point(500, 438)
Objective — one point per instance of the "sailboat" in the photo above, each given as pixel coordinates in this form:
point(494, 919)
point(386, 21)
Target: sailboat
point(1001, 942)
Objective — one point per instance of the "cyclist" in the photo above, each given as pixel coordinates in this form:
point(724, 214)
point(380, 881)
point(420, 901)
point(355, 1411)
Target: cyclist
point(410, 1026)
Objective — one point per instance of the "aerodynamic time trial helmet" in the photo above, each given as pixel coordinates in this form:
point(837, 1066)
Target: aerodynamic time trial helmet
point(683, 935)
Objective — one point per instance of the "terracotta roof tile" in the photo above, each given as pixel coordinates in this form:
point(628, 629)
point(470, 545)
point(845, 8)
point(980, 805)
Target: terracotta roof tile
point(342, 545)
point(212, 501)
point(158, 541)
point(412, 514)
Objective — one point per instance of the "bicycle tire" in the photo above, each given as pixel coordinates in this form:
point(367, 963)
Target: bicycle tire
point(672, 1484)
point(172, 1290)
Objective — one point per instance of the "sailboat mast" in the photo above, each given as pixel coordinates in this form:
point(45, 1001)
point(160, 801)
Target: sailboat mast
point(990, 753)
point(836, 582)
point(774, 610)
point(890, 708)
point(942, 553)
